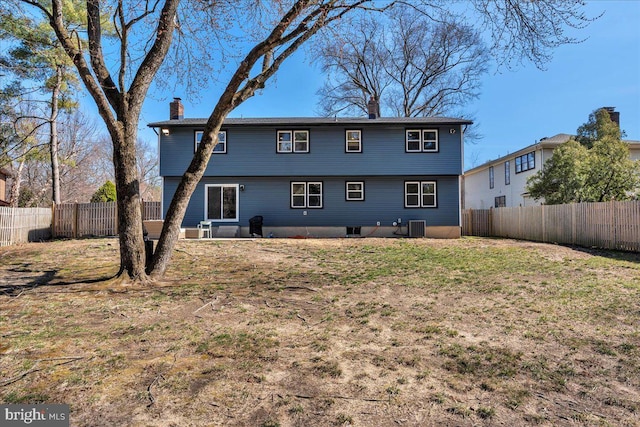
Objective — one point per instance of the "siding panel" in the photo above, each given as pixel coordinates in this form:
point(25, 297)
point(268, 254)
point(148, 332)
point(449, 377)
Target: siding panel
point(270, 197)
point(252, 148)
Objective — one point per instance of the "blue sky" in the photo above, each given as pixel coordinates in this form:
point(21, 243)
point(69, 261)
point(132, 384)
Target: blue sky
point(515, 108)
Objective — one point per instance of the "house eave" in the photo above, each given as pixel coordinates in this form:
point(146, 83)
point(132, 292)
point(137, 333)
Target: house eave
point(317, 121)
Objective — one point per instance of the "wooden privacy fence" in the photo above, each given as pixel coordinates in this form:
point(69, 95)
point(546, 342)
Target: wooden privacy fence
point(93, 219)
point(21, 225)
point(607, 225)
point(476, 222)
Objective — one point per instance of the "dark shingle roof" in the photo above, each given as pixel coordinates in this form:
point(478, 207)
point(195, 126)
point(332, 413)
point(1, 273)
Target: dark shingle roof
point(310, 121)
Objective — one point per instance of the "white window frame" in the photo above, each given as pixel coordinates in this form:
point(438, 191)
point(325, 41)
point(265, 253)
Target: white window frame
point(206, 202)
point(347, 140)
point(347, 192)
point(292, 141)
point(422, 140)
point(306, 195)
point(216, 150)
point(421, 194)
point(425, 140)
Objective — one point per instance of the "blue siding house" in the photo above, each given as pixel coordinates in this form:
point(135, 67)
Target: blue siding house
point(323, 177)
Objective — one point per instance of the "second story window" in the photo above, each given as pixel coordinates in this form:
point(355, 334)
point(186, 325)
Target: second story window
point(507, 172)
point(220, 148)
point(293, 141)
point(353, 141)
point(526, 162)
point(421, 141)
point(491, 177)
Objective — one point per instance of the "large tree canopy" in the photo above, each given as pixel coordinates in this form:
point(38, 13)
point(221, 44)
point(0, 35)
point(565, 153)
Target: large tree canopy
point(596, 170)
point(241, 43)
point(36, 64)
point(413, 64)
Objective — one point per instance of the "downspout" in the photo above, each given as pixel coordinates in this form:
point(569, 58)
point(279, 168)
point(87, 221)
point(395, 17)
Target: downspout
point(461, 183)
point(161, 177)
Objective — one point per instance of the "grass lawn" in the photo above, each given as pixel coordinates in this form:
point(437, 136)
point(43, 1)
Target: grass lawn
point(335, 332)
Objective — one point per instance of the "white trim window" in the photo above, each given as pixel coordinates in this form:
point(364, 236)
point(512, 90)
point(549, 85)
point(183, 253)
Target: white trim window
point(421, 141)
point(354, 191)
point(306, 195)
point(292, 141)
point(221, 146)
point(221, 202)
point(353, 141)
point(420, 194)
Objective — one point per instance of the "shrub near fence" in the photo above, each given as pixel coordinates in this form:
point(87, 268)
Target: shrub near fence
point(22, 225)
point(607, 225)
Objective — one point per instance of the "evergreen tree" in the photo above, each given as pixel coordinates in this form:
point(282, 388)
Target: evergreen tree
point(594, 167)
point(563, 176)
point(106, 193)
point(38, 63)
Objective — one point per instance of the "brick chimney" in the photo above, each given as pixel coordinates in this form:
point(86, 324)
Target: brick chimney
point(373, 107)
point(176, 109)
point(613, 114)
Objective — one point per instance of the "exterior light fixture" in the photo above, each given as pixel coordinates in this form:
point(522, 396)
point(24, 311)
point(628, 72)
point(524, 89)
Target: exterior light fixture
point(165, 131)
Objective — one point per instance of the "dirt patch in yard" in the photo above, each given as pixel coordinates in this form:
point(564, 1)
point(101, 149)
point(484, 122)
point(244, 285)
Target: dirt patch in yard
point(359, 332)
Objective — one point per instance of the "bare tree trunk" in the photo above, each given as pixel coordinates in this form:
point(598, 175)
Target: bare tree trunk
point(132, 256)
point(14, 193)
point(53, 138)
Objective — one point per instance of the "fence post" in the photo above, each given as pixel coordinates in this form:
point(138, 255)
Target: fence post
point(544, 227)
point(74, 224)
point(614, 225)
point(573, 223)
point(13, 226)
point(490, 221)
point(53, 220)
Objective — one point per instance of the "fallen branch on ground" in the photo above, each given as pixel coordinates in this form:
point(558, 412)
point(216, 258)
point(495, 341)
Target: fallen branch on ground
point(298, 288)
point(152, 400)
point(35, 368)
point(334, 396)
point(213, 301)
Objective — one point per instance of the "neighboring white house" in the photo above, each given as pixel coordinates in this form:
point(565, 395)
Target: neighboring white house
point(502, 182)
point(4, 174)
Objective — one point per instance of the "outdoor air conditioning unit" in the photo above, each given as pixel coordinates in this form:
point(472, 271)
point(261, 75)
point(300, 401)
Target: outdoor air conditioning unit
point(417, 228)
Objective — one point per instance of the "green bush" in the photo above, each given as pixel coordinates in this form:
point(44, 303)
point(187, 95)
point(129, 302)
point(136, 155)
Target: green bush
point(106, 193)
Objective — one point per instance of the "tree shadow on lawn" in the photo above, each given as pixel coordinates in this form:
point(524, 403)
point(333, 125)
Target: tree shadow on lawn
point(44, 278)
point(633, 257)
